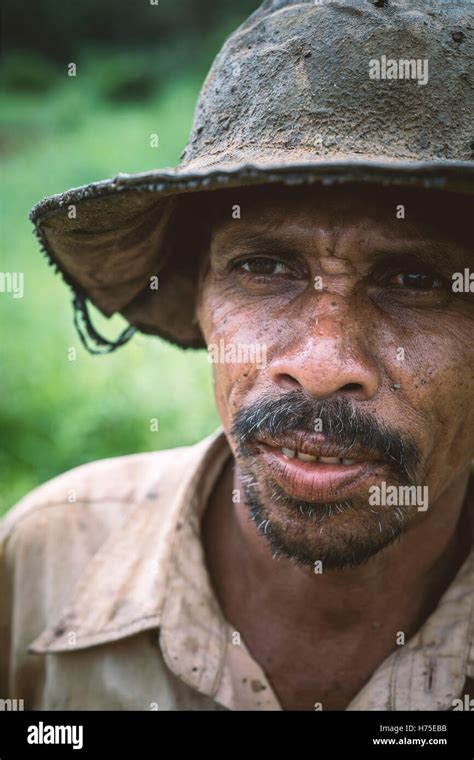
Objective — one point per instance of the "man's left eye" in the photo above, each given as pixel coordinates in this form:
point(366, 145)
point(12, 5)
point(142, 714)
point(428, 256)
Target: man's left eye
point(416, 281)
point(263, 266)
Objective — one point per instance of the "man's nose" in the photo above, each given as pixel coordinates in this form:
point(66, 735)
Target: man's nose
point(332, 359)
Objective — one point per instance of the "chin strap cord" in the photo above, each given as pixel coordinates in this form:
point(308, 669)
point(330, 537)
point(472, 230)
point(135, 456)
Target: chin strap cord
point(88, 333)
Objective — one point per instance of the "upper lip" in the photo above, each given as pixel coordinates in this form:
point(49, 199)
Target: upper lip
point(318, 446)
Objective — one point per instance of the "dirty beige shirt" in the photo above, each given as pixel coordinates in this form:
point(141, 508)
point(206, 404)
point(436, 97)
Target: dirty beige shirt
point(106, 603)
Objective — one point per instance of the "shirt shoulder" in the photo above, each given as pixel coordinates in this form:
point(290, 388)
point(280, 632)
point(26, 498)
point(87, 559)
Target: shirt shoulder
point(84, 528)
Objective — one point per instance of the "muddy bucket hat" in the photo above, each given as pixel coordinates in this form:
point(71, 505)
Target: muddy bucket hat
point(329, 91)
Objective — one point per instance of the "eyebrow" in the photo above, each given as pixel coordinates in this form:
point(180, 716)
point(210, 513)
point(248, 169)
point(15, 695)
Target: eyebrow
point(249, 242)
point(432, 252)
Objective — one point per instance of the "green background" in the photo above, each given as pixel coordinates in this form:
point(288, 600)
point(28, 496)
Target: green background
point(139, 71)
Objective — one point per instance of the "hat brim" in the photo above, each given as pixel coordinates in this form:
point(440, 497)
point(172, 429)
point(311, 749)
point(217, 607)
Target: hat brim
point(108, 238)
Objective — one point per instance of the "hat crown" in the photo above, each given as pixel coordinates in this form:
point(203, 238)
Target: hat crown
point(340, 79)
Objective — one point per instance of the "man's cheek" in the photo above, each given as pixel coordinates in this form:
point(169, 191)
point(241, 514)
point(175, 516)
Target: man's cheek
point(234, 333)
point(422, 359)
point(220, 313)
point(233, 380)
point(451, 398)
point(442, 393)
point(222, 386)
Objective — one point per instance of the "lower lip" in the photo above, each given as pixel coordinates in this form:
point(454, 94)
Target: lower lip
point(318, 482)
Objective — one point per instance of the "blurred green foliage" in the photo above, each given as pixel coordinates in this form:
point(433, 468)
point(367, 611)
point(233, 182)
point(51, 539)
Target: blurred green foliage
point(57, 132)
point(59, 29)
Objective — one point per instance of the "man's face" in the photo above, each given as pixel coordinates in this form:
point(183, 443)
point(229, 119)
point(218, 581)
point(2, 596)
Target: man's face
point(342, 361)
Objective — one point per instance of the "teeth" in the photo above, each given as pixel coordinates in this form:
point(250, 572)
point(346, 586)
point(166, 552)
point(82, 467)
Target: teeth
point(307, 457)
point(291, 454)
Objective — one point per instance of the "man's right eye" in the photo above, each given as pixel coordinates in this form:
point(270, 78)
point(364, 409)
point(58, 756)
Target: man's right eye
point(262, 265)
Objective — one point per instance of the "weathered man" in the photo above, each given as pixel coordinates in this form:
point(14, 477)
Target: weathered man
point(315, 223)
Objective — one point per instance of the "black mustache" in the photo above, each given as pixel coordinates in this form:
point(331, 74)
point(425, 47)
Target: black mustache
point(342, 424)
